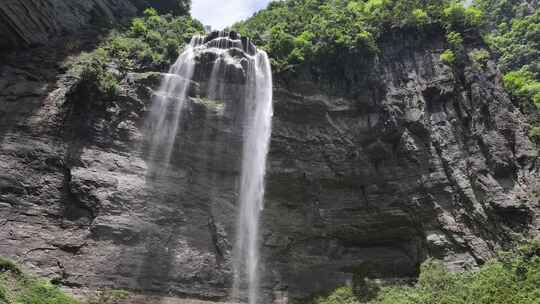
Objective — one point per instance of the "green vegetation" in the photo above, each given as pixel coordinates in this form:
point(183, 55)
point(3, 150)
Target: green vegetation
point(18, 288)
point(513, 33)
point(457, 17)
point(534, 133)
point(34, 291)
point(151, 42)
point(176, 7)
point(93, 68)
point(108, 297)
point(479, 57)
point(152, 39)
point(513, 278)
point(455, 39)
point(8, 265)
point(514, 37)
point(448, 57)
point(342, 295)
point(335, 39)
point(523, 85)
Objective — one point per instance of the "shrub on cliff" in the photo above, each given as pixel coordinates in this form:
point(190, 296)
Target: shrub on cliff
point(480, 57)
point(523, 85)
point(152, 41)
point(176, 7)
point(534, 133)
point(19, 288)
point(512, 278)
point(8, 265)
point(514, 37)
point(448, 57)
point(93, 69)
point(457, 17)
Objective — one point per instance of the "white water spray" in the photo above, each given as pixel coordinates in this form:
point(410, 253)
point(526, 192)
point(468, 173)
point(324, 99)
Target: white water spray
point(165, 118)
point(257, 131)
point(168, 103)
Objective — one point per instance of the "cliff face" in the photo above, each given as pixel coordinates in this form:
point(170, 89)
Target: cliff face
point(426, 161)
point(32, 22)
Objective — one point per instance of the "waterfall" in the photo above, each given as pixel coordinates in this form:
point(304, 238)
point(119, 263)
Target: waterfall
point(251, 69)
point(257, 131)
point(168, 103)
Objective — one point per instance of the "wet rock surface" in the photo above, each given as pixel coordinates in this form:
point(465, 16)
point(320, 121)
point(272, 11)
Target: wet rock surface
point(428, 161)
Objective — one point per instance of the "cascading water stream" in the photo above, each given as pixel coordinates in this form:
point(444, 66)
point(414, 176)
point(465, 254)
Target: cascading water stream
point(257, 131)
point(168, 103)
point(166, 114)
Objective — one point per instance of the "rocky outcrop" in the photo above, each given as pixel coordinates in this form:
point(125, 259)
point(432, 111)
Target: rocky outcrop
point(424, 160)
point(33, 22)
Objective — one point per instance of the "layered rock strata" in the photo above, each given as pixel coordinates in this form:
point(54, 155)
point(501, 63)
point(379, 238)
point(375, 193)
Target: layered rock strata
point(423, 160)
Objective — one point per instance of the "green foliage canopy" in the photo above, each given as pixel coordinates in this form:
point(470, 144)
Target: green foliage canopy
point(152, 38)
point(514, 37)
point(152, 41)
point(331, 37)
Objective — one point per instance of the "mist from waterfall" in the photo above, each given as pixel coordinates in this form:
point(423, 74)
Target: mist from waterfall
point(254, 103)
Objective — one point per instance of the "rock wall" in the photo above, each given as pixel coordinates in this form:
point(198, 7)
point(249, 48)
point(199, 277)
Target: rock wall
point(33, 22)
point(426, 161)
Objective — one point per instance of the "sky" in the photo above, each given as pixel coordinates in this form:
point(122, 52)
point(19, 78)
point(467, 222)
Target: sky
point(222, 13)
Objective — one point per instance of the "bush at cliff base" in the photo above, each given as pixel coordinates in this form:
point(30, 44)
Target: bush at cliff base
point(19, 288)
point(512, 278)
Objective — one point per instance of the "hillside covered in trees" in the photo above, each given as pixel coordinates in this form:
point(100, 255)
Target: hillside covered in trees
point(335, 39)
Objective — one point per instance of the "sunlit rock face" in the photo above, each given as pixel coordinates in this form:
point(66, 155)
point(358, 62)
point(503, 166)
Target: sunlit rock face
point(421, 161)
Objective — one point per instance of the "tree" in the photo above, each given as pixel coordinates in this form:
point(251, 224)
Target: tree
point(175, 7)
